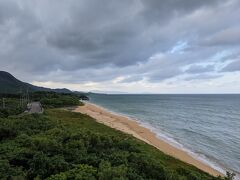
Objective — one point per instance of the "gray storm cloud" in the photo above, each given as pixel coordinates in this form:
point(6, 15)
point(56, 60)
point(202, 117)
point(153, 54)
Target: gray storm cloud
point(89, 40)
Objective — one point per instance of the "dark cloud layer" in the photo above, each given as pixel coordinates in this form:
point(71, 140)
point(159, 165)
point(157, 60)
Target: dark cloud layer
point(196, 69)
point(78, 41)
point(234, 66)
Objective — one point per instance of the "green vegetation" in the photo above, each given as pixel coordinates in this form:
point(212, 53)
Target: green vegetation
point(12, 107)
point(55, 100)
point(65, 145)
point(62, 145)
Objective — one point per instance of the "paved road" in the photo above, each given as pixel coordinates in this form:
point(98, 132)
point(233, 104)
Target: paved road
point(35, 107)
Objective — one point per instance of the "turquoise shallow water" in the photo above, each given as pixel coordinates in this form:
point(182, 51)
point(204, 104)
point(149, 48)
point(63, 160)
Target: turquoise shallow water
point(207, 126)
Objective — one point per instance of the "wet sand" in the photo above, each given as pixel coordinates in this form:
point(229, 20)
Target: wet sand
point(126, 125)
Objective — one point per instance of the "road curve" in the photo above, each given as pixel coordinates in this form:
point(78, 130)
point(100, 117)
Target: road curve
point(35, 107)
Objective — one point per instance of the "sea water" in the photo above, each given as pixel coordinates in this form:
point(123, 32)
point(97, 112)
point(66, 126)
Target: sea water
point(206, 126)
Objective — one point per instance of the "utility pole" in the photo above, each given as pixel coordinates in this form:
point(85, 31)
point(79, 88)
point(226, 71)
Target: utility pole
point(21, 98)
point(3, 103)
point(27, 97)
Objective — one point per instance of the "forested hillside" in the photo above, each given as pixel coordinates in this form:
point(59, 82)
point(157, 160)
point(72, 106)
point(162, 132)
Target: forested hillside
point(9, 84)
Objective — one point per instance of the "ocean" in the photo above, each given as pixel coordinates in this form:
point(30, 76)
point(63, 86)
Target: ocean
point(206, 126)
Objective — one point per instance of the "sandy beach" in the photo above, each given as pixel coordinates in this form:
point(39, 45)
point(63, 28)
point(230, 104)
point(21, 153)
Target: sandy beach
point(126, 125)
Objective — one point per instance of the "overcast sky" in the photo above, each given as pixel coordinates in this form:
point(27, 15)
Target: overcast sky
point(136, 46)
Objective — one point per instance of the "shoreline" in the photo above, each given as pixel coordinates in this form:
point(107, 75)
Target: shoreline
point(135, 129)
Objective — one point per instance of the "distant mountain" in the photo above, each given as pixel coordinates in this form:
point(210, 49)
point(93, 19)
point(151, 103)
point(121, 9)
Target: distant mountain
point(10, 85)
point(108, 92)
